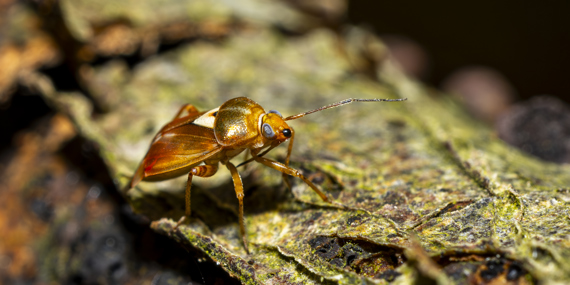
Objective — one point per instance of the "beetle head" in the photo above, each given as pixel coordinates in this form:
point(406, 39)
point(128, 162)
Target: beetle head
point(273, 127)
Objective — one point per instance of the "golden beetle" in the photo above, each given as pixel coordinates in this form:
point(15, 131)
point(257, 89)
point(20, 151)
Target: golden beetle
point(195, 143)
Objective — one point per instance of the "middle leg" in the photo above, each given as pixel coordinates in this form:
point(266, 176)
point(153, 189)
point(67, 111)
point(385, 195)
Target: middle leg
point(200, 171)
point(238, 187)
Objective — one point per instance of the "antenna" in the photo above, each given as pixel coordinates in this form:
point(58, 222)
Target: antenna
point(343, 102)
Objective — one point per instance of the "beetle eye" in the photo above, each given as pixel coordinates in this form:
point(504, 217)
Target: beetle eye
point(268, 131)
point(275, 112)
point(287, 133)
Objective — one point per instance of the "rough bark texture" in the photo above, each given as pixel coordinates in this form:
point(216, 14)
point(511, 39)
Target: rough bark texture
point(420, 190)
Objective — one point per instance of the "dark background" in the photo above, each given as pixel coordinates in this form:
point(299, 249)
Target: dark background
point(527, 41)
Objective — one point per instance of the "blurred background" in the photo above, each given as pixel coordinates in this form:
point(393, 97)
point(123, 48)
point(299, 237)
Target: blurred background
point(527, 43)
point(507, 62)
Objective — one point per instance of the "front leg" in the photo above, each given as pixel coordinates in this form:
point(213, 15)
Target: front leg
point(289, 150)
point(290, 171)
point(200, 171)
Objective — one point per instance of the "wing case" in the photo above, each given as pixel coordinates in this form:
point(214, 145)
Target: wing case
point(178, 147)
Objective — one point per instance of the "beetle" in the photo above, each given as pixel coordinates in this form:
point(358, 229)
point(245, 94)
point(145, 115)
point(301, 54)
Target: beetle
point(196, 143)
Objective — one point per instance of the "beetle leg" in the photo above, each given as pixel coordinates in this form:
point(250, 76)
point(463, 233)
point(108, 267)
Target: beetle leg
point(272, 146)
point(200, 171)
point(189, 108)
point(289, 149)
point(290, 171)
point(238, 187)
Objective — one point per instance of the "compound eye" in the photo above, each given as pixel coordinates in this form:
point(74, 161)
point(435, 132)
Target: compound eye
point(275, 112)
point(268, 131)
point(287, 133)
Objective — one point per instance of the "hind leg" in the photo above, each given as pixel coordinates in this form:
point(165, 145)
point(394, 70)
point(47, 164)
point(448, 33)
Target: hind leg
point(189, 108)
